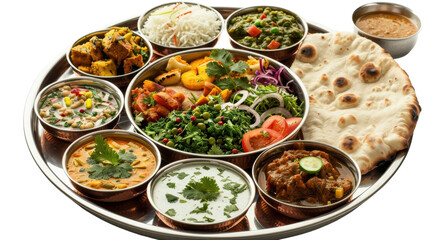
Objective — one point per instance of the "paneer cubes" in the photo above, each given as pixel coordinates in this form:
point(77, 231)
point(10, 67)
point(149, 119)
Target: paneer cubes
point(104, 68)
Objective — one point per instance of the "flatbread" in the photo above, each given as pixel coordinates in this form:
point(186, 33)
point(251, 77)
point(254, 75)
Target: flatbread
point(361, 101)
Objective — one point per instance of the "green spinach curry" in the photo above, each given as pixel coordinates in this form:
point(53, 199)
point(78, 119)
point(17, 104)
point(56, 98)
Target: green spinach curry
point(265, 29)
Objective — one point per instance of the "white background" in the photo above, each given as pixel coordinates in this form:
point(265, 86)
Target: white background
point(35, 33)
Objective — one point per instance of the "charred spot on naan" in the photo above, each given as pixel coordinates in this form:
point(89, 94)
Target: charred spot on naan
point(346, 120)
point(341, 84)
point(369, 72)
point(347, 100)
point(307, 53)
point(349, 143)
point(414, 112)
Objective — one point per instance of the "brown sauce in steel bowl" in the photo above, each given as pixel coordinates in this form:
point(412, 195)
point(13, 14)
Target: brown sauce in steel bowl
point(386, 25)
point(286, 181)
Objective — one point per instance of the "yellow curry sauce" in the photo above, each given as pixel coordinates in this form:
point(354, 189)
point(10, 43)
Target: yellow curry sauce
point(143, 166)
point(386, 25)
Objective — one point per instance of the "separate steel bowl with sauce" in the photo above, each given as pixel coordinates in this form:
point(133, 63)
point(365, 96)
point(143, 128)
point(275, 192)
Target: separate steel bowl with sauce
point(119, 80)
point(294, 210)
point(397, 47)
point(115, 195)
point(277, 54)
point(72, 134)
point(217, 226)
point(244, 160)
point(163, 50)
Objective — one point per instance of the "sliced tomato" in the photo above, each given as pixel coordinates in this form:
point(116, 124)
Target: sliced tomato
point(259, 138)
point(278, 124)
point(253, 31)
point(293, 124)
point(273, 44)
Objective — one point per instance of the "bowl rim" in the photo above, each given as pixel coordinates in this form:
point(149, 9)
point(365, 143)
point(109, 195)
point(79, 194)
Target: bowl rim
point(238, 12)
point(70, 80)
point(144, 17)
point(120, 133)
point(102, 32)
point(200, 155)
point(255, 174)
point(396, 5)
point(208, 161)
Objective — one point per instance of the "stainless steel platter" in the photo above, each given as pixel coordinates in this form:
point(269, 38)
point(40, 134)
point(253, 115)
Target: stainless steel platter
point(136, 215)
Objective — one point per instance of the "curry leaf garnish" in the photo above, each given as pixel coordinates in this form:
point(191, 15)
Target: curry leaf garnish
point(205, 190)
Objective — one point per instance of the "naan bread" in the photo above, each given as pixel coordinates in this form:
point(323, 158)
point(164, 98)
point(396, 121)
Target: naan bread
point(360, 99)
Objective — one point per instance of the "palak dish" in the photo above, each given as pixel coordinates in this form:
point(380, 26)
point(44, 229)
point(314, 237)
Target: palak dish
point(266, 29)
point(76, 107)
point(361, 101)
point(118, 52)
point(201, 194)
point(112, 163)
point(217, 104)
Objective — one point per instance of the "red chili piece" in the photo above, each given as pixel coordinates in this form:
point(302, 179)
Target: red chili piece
point(165, 140)
point(178, 120)
point(235, 151)
point(193, 118)
point(180, 130)
point(82, 110)
point(220, 123)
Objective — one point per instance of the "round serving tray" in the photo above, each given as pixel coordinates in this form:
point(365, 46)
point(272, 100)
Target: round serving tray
point(136, 215)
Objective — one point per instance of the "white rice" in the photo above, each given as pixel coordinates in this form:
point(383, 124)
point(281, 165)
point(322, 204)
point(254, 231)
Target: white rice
point(191, 29)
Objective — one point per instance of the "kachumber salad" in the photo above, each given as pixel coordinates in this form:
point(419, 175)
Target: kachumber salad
point(217, 104)
point(78, 107)
point(111, 163)
point(201, 194)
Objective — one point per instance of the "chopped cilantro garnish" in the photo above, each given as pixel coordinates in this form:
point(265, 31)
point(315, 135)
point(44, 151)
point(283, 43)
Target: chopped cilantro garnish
point(203, 209)
point(215, 150)
point(171, 185)
point(205, 190)
point(171, 212)
point(107, 163)
point(225, 67)
point(171, 198)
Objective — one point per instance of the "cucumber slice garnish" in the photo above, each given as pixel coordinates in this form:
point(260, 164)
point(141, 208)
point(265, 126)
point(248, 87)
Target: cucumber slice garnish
point(310, 165)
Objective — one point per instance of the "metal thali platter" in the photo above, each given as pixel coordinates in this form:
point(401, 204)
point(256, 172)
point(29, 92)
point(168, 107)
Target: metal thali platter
point(136, 215)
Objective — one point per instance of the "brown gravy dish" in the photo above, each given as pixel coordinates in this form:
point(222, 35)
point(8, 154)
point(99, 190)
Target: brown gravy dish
point(286, 181)
point(386, 25)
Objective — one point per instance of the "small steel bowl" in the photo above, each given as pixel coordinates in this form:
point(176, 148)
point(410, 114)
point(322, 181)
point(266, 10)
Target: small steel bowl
point(119, 80)
point(244, 160)
point(397, 47)
point(163, 50)
point(277, 54)
point(68, 134)
point(116, 195)
point(217, 226)
point(348, 166)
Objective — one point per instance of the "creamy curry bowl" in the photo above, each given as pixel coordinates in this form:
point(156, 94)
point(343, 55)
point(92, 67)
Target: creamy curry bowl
point(111, 165)
point(73, 107)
